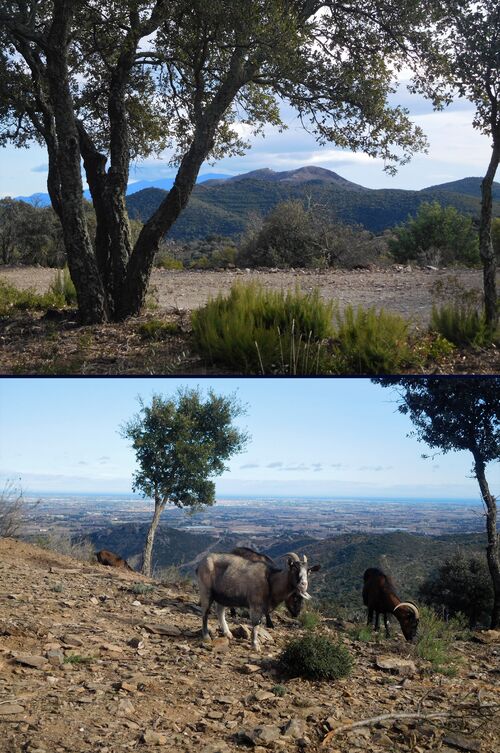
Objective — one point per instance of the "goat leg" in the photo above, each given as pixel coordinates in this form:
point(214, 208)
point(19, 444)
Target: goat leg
point(221, 614)
point(386, 623)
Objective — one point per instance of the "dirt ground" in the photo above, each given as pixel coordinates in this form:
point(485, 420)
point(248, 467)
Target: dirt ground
point(31, 343)
point(95, 659)
point(403, 290)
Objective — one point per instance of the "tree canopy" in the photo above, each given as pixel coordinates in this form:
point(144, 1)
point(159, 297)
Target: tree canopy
point(460, 414)
point(181, 443)
point(114, 82)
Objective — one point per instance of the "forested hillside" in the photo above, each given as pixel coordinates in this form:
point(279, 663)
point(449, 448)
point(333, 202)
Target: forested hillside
point(224, 207)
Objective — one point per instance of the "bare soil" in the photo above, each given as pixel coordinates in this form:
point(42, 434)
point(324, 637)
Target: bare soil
point(402, 290)
point(89, 663)
point(33, 344)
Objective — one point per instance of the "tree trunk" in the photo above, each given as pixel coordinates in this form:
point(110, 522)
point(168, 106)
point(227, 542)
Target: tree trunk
point(492, 549)
point(148, 549)
point(81, 260)
point(486, 249)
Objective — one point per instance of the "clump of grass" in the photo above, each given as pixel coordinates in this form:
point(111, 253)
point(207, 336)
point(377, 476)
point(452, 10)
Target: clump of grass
point(371, 342)
point(63, 288)
point(435, 640)
point(279, 691)
point(57, 588)
point(141, 588)
point(462, 324)
point(309, 619)
point(365, 634)
point(315, 657)
point(156, 329)
point(78, 659)
point(255, 330)
point(12, 300)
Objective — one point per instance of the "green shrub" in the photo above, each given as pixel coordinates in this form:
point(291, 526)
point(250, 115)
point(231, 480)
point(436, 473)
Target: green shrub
point(63, 288)
point(279, 691)
point(309, 619)
point(316, 657)
point(12, 299)
point(257, 330)
point(461, 324)
point(461, 585)
point(437, 235)
point(371, 342)
point(155, 329)
point(167, 262)
point(435, 640)
point(365, 634)
point(78, 659)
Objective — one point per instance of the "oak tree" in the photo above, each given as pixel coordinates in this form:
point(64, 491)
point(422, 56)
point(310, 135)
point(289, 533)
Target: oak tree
point(454, 414)
point(181, 443)
point(114, 82)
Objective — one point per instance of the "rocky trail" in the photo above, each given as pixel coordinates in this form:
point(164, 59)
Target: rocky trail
point(88, 663)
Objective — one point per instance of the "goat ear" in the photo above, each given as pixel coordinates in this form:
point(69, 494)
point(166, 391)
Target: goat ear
point(314, 569)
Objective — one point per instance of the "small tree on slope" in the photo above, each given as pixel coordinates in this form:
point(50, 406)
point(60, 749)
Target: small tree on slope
point(461, 414)
point(180, 442)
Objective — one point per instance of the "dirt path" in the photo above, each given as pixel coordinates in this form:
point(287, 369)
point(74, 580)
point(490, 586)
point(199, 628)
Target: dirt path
point(402, 290)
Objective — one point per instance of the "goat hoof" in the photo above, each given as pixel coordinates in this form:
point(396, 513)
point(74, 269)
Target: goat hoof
point(207, 638)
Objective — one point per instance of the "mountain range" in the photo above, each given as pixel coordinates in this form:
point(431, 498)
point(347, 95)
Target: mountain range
point(222, 205)
point(225, 207)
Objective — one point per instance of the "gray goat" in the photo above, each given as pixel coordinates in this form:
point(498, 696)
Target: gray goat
point(232, 581)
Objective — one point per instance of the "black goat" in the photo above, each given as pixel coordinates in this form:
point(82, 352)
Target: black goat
point(380, 598)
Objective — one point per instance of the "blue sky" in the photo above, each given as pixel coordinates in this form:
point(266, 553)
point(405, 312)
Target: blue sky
point(456, 151)
point(312, 437)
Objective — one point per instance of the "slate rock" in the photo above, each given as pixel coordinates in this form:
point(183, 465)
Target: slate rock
point(462, 743)
point(38, 662)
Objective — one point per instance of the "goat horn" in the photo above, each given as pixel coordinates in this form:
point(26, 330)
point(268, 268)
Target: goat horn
point(410, 606)
point(293, 556)
point(305, 560)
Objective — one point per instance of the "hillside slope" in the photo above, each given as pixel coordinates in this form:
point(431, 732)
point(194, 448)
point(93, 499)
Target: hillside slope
point(88, 664)
point(224, 207)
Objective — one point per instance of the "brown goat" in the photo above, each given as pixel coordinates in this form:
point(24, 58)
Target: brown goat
point(252, 556)
point(110, 559)
point(233, 581)
point(380, 598)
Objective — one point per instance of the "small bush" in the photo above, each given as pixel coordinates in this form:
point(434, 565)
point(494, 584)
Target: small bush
point(316, 657)
point(12, 510)
point(62, 543)
point(78, 659)
point(157, 330)
point(371, 342)
point(63, 288)
point(171, 575)
point(461, 324)
point(12, 300)
point(435, 639)
point(166, 262)
point(257, 330)
point(309, 620)
point(279, 691)
point(365, 634)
